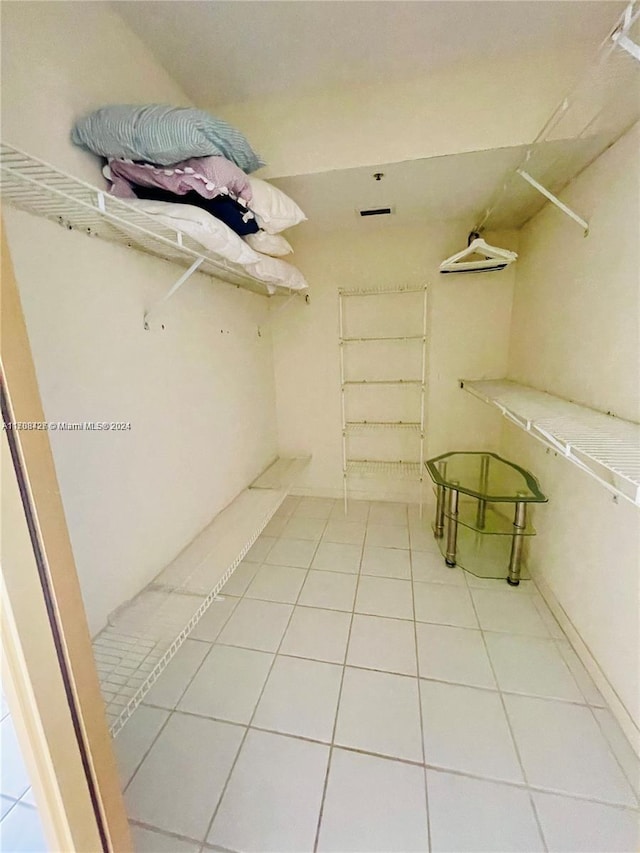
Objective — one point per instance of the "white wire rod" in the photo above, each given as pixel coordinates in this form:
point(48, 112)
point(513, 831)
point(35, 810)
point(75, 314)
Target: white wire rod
point(360, 426)
point(423, 391)
point(619, 35)
point(377, 468)
point(554, 200)
point(183, 278)
point(291, 295)
point(381, 291)
point(605, 50)
point(17, 170)
point(382, 338)
point(627, 44)
point(382, 382)
point(342, 402)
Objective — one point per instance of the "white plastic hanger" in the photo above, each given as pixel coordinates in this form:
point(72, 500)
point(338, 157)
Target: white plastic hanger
point(492, 259)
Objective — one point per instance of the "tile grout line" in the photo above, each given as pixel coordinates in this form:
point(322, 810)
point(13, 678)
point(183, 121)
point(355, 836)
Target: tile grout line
point(508, 721)
point(439, 768)
point(542, 609)
point(165, 832)
point(611, 751)
point(174, 709)
point(248, 725)
point(344, 669)
point(420, 708)
point(591, 706)
point(524, 786)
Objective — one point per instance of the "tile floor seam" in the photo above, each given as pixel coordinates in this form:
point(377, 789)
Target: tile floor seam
point(482, 688)
point(167, 833)
point(174, 708)
point(613, 753)
point(344, 669)
point(526, 785)
point(508, 720)
point(439, 767)
point(420, 709)
point(255, 708)
point(147, 751)
point(217, 847)
point(566, 639)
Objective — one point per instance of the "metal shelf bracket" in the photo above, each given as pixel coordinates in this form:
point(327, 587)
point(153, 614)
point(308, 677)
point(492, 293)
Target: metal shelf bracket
point(620, 36)
point(555, 200)
point(184, 277)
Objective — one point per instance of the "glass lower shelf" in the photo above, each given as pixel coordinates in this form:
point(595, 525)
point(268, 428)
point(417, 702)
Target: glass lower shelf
point(482, 556)
point(495, 523)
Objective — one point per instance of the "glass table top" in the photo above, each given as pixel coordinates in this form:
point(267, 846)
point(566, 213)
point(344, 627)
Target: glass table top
point(486, 476)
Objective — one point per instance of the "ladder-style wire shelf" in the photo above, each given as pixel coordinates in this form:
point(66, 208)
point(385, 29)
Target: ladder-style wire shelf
point(378, 468)
point(351, 426)
point(368, 426)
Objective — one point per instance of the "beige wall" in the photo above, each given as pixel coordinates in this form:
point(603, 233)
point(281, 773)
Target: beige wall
point(468, 107)
point(575, 333)
point(576, 320)
point(199, 396)
point(468, 336)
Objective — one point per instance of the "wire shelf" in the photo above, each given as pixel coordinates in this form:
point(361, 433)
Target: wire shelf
point(365, 426)
point(39, 188)
point(606, 447)
point(145, 633)
point(377, 468)
point(392, 338)
point(381, 291)
point(383, 382)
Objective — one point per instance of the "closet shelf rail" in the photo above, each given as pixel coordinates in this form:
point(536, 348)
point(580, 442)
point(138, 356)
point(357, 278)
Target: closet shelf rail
point(601, 107)
point(380, 291)
point(365, 426)
point(41, 189)
point(144, 634)
point(376, 468)
point(605, 447)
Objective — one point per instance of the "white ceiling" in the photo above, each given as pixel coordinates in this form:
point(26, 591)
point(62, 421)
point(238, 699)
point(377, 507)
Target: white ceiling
point(229, 51)
point(456, 187)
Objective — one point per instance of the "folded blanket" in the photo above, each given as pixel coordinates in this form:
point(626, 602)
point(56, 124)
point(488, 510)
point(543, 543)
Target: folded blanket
point(208, 176)
point(157, 133)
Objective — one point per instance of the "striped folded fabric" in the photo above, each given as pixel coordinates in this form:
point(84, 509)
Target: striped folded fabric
point(162, 134)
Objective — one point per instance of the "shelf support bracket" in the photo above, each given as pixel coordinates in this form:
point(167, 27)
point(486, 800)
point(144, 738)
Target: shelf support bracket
point(554, 200)
point(185, 275)
point(620, 36)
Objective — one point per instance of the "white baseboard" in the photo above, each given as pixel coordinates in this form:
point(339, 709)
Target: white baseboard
point(617, 706)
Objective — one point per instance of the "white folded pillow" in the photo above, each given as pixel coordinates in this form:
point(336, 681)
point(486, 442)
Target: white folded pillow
point(269, 244)
point(216, 237)
point(274, 210)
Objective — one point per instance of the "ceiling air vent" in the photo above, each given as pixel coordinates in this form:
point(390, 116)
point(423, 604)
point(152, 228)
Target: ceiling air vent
point(377, 211)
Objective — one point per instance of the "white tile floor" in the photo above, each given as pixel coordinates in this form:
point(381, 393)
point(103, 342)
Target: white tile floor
point(20, 825)
point(351, 693)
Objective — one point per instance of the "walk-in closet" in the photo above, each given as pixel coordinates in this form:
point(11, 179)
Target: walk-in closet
point(321, 453)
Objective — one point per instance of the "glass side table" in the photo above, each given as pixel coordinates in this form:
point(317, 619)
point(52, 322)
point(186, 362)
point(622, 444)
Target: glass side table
point(479, 536)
